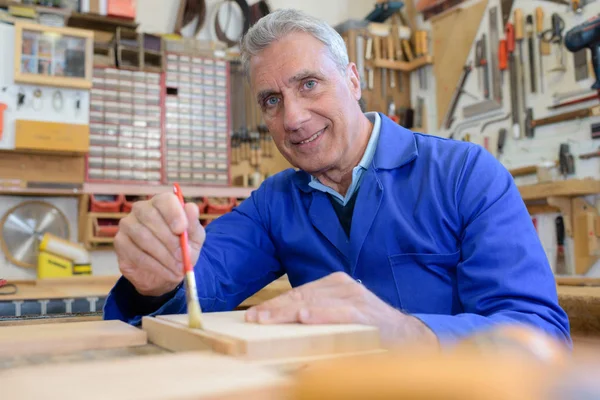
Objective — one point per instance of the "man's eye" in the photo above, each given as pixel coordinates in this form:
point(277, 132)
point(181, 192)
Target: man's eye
point(271, 101)
point(310, 84)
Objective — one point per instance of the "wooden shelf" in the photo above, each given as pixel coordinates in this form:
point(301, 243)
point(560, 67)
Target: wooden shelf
point(108, 215)
point(14, 190)
point(188, 191)
point(403, 66)
point(568, 188)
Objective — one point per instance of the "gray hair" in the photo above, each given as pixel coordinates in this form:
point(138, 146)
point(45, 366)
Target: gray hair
point(280, 23)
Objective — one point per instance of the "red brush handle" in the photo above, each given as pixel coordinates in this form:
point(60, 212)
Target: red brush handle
point(183, 238)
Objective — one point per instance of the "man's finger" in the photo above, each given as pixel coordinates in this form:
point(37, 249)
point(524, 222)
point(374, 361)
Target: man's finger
point(151, 218)
point(291, 313)
point(145, 240)
point(147, 275)
point(169, 207)
point(341, 314)
point(307, 291)
point(196, 232)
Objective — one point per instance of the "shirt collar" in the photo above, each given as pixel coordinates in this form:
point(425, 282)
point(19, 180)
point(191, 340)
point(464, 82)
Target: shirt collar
point(369, 153)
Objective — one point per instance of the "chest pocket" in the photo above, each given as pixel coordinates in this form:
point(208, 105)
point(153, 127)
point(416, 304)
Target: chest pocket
point(426, 283)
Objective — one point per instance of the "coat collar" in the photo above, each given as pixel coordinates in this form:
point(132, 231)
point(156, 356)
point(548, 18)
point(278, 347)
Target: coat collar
point(396, 147)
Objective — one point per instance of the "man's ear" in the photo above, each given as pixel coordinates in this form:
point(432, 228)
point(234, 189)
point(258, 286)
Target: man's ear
point(353, 80)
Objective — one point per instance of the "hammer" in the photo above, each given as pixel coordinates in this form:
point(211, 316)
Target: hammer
point(531, 124)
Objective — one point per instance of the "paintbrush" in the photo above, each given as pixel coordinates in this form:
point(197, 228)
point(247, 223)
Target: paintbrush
point(193, 304)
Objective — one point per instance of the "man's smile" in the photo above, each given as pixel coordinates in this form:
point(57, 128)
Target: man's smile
point(310, 139)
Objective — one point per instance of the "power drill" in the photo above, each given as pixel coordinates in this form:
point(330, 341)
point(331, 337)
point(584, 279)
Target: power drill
point(587, 35)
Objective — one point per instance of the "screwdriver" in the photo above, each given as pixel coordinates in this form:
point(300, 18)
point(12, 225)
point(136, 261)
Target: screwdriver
point(539, 28)
point(502, 57)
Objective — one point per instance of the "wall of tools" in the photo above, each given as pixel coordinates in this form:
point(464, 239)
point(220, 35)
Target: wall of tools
point(504, 78)
point(516, 74)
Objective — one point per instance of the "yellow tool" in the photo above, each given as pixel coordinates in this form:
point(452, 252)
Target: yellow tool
point(61, 258)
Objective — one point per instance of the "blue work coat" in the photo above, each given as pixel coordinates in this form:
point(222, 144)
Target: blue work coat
point(439, 231)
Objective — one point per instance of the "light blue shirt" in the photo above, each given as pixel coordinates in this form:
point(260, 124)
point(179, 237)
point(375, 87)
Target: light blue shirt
point(358, 171)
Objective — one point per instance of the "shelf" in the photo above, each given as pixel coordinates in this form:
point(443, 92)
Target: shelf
point(568, 188)
point(188, 191)
point(10, 190)
point(131, 190)
point(108, 215)
point(404, 66)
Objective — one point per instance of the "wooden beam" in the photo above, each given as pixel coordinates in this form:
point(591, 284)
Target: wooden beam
point(163, 376)
point(571, 187)
point(584, 215)
point(228, 333)
point(65, 338)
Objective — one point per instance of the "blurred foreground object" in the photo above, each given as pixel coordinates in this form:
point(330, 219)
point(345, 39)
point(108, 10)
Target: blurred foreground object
point(505, 363)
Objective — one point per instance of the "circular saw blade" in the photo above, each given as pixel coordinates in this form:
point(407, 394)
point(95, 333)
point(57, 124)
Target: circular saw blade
point(23, 227)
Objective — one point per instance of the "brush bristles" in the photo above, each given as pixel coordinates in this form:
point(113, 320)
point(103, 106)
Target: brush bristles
point(193, 304)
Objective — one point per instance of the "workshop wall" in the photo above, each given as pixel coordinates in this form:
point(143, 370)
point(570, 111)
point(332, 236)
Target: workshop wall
point(43, 108)
point(159, 16)
point(543, 147)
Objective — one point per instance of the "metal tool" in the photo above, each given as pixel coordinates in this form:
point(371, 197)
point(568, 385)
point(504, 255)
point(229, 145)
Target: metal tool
point(506, 6)
point(566, 160)
point(23, 228)
point(449, 117)
point(360, 60)
point(554, 36)
point(580, 62)
point(419, 112)
point(531, 124)
point(501, 142)
point(519, 28)
point(587, 156)
point(494, 121)
point(595, 131)
point(587, 35)
point(481, 62)
point(473, 121)
point(576, 101)
point(560, 268)
point(558, 96)
point(539, 29)
point(532, 63)
point(480, 108)
point(494, 58)
point(514, 97)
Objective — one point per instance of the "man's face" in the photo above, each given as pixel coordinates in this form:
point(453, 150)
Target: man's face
point(309, 106)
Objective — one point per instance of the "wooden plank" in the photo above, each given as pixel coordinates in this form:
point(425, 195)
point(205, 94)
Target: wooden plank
point(163, 376)
point(93, 286)
point(585, 243)
point(274, 289)
point(571, 187)
point(453, 36)
point(48, 319)
point(64, 338)
point(228, 333)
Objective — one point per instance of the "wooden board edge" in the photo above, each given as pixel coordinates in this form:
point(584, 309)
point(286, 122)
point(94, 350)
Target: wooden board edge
point(318, 345)
point(176, 337)
point(127, 336)
point(295, 364)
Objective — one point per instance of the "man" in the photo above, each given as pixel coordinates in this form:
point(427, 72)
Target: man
point(424, 237)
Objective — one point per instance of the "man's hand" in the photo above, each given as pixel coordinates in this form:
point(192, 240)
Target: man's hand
point(339, 299)
point(147, 244)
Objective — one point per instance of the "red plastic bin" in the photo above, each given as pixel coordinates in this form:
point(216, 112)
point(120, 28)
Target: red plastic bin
point(108, 203)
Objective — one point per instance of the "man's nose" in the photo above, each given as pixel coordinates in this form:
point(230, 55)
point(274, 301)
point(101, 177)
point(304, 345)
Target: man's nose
point(294, 114)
